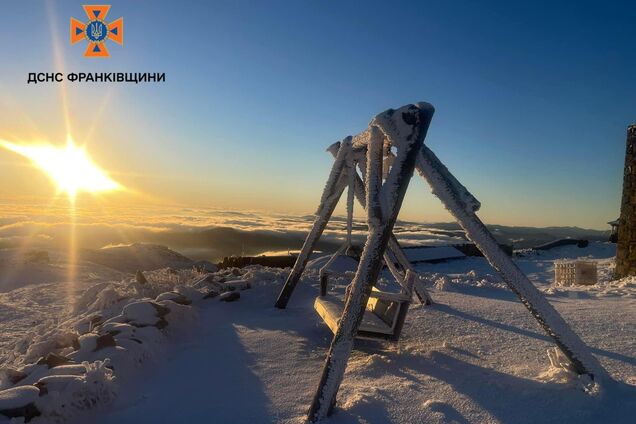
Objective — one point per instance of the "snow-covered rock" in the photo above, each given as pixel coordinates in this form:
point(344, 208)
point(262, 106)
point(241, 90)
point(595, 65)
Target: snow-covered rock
point(66, 396)
point(55, 341)
point(206, 266)
point(145, 312)
point(237, 285)
point(174, 297)
point(231, 296)
point(18, 397)
point(94, 342)
point(19, 402)
point(190, 293)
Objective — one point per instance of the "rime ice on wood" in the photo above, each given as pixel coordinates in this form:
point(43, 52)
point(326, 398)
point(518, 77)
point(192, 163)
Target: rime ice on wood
point(460, 204)
point(383, 204)
point(330, 196)
point(404, 130)
point(394, 247)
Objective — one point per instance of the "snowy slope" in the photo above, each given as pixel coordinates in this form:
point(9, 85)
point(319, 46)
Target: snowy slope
point(137, 256)
point(36, 294)
point(475, 356)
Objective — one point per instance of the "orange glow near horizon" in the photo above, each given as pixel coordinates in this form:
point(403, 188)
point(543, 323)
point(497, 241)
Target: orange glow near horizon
point(69, 167)
point(72, 171)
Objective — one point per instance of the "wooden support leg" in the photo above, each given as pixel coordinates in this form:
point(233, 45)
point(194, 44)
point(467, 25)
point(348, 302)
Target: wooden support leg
point(333, 191)
point(420, 291)
point(462, 206)
point(393, 270)
point(381, 221)
point(324, 271)
point(324, 281)
point(422, 294)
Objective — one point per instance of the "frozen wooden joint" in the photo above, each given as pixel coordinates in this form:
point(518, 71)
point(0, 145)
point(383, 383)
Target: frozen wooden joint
point(376, 167)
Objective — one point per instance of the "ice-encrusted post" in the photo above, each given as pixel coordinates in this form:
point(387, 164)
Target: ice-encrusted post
point(331, 194)
point(626, 244)
point(394, 246)
point(462, 205)
point(405, 128)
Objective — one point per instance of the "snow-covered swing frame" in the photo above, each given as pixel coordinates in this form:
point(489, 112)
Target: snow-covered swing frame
point(404, 130)
point(386, 311)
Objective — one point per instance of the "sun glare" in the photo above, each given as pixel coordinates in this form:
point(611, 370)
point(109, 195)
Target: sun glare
point(70, 167)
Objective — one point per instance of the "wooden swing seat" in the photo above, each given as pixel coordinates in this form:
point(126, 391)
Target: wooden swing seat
point(383, 318)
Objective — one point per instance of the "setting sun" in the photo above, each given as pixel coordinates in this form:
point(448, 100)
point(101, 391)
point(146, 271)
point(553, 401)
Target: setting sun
point(69, 167)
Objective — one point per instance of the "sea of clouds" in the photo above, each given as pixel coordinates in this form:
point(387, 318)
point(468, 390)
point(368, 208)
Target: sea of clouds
point(207, 233)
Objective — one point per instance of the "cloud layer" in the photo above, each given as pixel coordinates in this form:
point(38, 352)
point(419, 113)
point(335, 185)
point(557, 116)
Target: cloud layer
point(211, 234)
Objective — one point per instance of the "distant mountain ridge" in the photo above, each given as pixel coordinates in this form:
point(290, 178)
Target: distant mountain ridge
point(524, 237)
point(216, 242)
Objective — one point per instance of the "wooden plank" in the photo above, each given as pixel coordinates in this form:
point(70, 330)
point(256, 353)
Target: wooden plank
point(393, 297)
point(330, 310)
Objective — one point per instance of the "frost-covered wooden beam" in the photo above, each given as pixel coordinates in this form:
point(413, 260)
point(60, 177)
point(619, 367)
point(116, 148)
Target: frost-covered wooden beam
point(462, 205)
point(324, 271)
point(420, 291)
point(331, 195)
point(405, 128)
point(394, 246)
point(340, 151)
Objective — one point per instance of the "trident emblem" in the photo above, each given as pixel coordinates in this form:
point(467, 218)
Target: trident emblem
point(96, 31)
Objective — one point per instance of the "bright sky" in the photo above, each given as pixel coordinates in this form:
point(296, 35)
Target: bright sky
point(532, 100)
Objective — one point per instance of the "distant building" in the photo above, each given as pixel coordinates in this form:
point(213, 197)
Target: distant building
point(613, 238)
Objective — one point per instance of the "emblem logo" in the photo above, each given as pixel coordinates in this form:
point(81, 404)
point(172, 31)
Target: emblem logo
point(97, 31)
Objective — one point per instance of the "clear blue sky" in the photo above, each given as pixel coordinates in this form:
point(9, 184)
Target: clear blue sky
point(532, 100)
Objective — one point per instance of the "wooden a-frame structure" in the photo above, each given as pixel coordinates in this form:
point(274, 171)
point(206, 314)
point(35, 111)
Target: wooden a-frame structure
point(394, 143)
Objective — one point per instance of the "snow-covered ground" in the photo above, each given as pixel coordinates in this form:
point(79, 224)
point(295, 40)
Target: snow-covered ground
point(475, 356)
